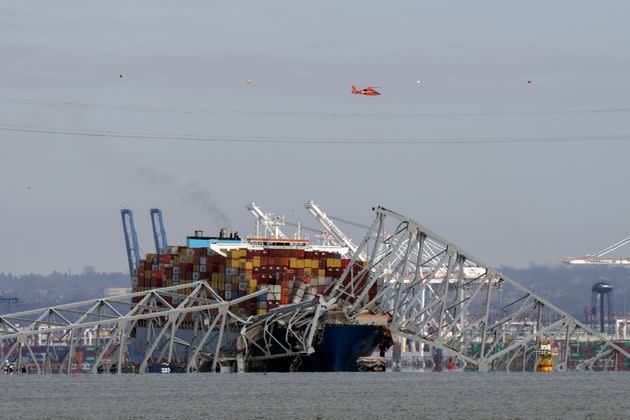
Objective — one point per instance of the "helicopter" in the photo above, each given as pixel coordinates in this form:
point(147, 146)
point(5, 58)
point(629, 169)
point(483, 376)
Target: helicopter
point(368, 91)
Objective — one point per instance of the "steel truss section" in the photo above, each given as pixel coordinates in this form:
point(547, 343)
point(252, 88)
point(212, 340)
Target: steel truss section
point(442, 296)
point(284, 332)
point(186, 334)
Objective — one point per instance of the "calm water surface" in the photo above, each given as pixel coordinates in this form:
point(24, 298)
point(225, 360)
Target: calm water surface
point(313, 396)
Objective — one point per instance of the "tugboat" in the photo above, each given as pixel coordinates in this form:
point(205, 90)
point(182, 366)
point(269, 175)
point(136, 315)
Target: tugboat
point(545, 356)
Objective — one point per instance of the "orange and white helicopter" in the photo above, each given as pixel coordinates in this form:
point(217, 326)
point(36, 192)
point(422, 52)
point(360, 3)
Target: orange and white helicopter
point(368, 91)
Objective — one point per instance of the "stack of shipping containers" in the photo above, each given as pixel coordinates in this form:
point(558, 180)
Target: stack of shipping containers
point(289, 275)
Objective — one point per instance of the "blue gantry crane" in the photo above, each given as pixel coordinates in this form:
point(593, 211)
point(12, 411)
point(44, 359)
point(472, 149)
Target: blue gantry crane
point(159, 234)
point(131, 241)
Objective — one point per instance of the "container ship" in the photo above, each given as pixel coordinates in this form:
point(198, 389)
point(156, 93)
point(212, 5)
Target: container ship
point(288, 273)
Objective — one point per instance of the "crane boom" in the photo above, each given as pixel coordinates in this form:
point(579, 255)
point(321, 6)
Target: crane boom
point(131, 241)
point(159, 233)
point(596, 258)
point(612, 247)
point(270, 222)
point(329, 226)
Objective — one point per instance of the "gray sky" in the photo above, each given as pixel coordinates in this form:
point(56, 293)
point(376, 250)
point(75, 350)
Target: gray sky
point(184, 67)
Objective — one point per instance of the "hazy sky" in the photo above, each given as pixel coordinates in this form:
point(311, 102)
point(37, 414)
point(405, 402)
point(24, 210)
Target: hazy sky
point(560, 189)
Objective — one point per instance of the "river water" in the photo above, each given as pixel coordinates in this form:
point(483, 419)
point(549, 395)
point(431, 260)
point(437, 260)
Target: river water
point(317, 396)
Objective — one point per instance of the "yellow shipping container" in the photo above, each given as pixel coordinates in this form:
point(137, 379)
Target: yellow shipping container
point(333, 262)
point(253, 283)
point(300, 264)
point(256, 262)
point(233, 263)
point(196, 268)
point(292, 262)
point(261, 311)
point(249, 265)
point(307, 263)
point(321, 272)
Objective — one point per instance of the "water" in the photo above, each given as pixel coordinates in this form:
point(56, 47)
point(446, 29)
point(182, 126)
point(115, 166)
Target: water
point(312, 396)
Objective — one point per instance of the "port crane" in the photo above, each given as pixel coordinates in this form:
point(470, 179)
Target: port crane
point(270, 222)
point(337, 236)
point(131, 241)
point(159, 234)
point(598, 257)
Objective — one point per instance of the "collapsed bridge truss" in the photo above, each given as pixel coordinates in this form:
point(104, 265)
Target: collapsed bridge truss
point(194, 331)
point(444, 297)
point(437, 294)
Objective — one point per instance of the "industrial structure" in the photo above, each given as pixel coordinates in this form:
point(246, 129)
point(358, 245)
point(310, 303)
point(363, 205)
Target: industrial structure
point(601, 313)
point(401, 278)
point(7, 303)
point(599, 257)
point(602, 308)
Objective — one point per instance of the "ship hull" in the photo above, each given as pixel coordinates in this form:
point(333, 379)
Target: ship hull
point(337, 350)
